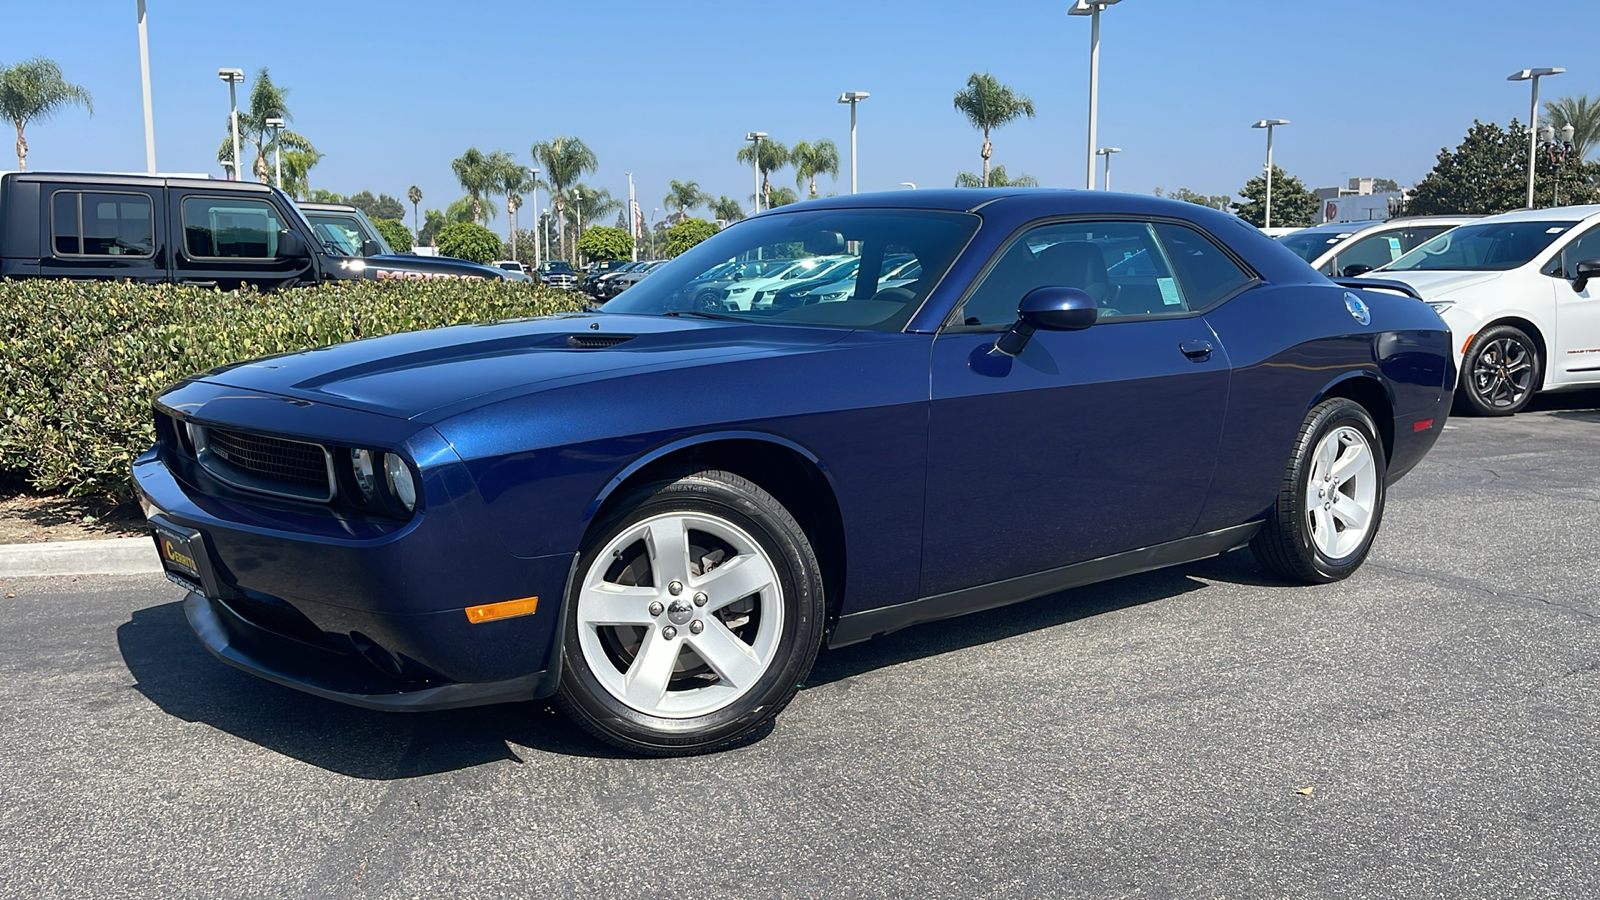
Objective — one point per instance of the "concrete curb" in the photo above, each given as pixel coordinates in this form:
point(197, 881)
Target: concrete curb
point(116, 556)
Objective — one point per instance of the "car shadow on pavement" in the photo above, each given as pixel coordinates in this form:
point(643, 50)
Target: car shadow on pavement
point(1581, 405)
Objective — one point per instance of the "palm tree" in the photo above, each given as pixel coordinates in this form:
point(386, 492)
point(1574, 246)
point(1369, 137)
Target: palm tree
point(297, 165)
point(774, 156)
point(592, 205)
point(684, 195)
point(32, 91)
point(726, 208)
point(781, 196)
point(414, 194)
point(475, 174)
point(988, 104)
point(997, 178)
point(563, 161)
point(811, 160)
point(267, 101)
point(510, 180)
point(1583, 114)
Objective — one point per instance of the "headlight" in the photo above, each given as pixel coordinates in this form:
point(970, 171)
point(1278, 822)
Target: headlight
point(366, 474)
point(833, 297)
point(401, 485)
point(1440, 306)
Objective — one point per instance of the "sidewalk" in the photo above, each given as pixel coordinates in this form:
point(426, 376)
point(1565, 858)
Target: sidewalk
point(114, 556)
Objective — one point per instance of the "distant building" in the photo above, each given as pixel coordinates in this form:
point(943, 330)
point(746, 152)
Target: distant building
point(1357, 203)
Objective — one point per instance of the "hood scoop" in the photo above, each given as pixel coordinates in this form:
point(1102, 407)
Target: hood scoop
point(597, 341)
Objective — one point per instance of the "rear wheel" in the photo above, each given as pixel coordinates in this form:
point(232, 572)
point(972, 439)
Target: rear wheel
point(1499, 372)
point(696, 613)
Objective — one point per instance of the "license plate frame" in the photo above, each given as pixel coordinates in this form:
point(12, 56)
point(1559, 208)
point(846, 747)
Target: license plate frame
point(184, 557)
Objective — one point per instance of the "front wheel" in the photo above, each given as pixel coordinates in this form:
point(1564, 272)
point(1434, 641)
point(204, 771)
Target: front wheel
point(1331, 499)
point(695, 614)
point(1499, 372)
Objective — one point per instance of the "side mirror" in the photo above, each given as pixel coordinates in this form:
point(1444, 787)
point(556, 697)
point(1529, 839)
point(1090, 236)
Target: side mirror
point(1052, 309)
point(291, 245)
point(1355, 269)
point(1582, 272)
point(370, 247)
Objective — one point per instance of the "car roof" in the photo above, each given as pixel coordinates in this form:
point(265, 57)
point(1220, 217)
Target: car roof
point(1352, 228)
point(1552, 214)
point(326, 207)
point(212, 184)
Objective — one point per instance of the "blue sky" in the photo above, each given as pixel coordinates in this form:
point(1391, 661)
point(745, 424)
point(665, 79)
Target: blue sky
point(392, 91)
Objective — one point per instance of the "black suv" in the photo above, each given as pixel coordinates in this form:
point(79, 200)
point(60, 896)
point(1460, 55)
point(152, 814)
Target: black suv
point(558, 273)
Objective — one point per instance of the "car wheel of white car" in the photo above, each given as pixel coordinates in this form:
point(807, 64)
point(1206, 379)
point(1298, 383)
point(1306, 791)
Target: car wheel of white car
point(694, 614)
point(1499, 372)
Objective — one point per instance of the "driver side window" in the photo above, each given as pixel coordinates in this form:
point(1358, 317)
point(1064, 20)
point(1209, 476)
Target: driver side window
point(1120, 264)
point(1586, 247)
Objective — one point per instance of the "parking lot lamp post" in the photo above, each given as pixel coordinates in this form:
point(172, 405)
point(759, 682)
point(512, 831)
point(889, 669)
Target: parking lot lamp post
point(535, 205)
point(1560, 152)
point(910, 184)
point(577, 228)
point(1269, 124)
point(1533, 75)
point(234, 77)
point(755, 158)
point(276, 124)
point(1091, 8)
point(633, 218)
point(1106, 152)
point(544, 225)
point(852, 98)
point(144, 73)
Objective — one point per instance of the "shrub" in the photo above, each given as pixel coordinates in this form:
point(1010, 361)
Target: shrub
point(470, 241)
point(600, 242)
point(687, 233)
point(84, 360)
point(397, 234)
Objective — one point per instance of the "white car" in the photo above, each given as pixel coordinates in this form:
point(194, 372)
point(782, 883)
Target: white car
point(1348, 249)
point(1515, 291)
point(746, 292)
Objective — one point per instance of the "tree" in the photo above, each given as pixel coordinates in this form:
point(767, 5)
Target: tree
point(726, 208)
point(1487, 173)
point(811, 160)
point(781, 196)
point(382, 206)
point(461, 211)
point(1213, 201)
point(997, 178)
point(469, 241)
point(475, 174)
point(32, 91)
point(321, 195)
point(590, 205)
point(1292, 204)
point(684, 196)
point(297, 165)
point(414, 194)
point(267, 101)
point(686, 234)
point(433, 221)
point(774, 156)
point(395, 232)
point(603, 243)
point(1583, 114)
point(1385, 185)
point(563, 161)
point(511, 179)
point(988, 104)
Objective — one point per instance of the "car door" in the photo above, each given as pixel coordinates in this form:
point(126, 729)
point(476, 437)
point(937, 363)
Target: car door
point(1367, 253)
point(1088, 443)
point(231, 239)
point(111, 232)
point(1575, 350)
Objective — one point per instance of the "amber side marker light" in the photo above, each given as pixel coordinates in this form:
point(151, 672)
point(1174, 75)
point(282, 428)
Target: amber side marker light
point(504, 610)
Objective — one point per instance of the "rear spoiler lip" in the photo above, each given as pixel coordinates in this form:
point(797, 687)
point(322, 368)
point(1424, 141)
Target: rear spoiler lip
point(1378, 284)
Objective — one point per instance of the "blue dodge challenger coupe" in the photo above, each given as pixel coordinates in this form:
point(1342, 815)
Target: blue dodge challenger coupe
point(659, 513)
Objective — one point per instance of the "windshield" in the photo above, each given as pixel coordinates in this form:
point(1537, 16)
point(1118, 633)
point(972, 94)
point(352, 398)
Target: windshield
point(343, 233)
point(1489, 247)
point(871, 242)
point(556, 267)
point(1309, 246)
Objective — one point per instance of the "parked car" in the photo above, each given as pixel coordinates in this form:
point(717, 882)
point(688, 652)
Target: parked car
point(1514, 289)
point(346, 229)
point(1348, 249)
point(558, 273)
point(517, 271)
point(185, 230)
point(621, 281)
point(593, 283)
point(661, 512)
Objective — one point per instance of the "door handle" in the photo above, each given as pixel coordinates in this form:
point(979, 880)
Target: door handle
point(1196, 350)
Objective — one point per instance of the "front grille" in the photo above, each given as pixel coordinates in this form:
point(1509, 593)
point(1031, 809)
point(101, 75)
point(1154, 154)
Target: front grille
point(267, 464)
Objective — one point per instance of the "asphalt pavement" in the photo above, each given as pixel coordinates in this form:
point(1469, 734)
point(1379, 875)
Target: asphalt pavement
point(1427, 728)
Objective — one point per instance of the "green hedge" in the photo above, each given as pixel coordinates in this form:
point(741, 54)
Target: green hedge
point(82, 361)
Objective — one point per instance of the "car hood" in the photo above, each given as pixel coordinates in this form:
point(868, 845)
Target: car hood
point(401, 263)
point(1432, 285)
point(431, 375)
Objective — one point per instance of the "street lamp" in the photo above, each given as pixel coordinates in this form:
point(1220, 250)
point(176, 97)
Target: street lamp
point(1092, 9)
point(544, 224)
point(1269, 124)
point(144, 74)
point(852, 98)
point(275, 124)
point(756, 136)
point(577, 229)
point(1533, 75)
point(234, 77)
point(1106, 152)
point(910, 184)
point(1560, 152)
point(653, 212)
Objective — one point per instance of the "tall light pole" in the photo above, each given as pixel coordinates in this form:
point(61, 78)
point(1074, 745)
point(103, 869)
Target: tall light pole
point(756, 136)
point(577, 230)
point(633, 218)
point(1091, 8)
point(852, 98)
point(1106, 152)
point(1533, 75)
point(537, 226)
point(910, 184)
point(275, 124)
point(144, 73)
point(1269, 124)
point(234, 77)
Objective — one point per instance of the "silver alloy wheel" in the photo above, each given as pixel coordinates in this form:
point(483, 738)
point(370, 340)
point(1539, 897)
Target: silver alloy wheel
point(700, 635)
point(1502, 372)
point(1341, 492)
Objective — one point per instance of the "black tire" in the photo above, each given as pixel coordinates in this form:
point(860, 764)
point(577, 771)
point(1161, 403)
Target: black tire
point(1286, 543)
point(1499, 372)
point(731, 499)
